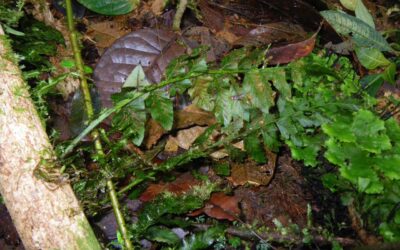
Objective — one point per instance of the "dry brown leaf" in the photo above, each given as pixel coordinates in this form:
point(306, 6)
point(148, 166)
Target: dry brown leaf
point(192, 115)
point(222, 153)
point(189, 116)
point(220, 206)
point(154, 132)
point(291, 52)
point(251, 173)
point(181, 185)
point(158, 6)
point(171, 145)
point(105, 33)
point(186, 137)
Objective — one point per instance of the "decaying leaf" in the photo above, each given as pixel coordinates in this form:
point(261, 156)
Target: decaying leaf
point(105, 33)
point(291, 52)
point(251, 173)
point(186, 137)
point(222, 153)
point(220, 206)
point(273, 33)
point(153, 49)
point(181, 185)
point(187, 117)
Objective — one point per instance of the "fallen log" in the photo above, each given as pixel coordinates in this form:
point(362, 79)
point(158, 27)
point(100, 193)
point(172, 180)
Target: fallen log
point(47, 215)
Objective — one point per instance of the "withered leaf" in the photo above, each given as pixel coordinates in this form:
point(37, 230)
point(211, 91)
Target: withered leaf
point(220, 206)
point(291, 52)
point(181, 185)
point(251, 173)
point(187, 117)
point(153, 49)
point(273, 33)
point(105, 33)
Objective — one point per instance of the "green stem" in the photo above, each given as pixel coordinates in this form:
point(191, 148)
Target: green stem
point(90, 114)
point(118, 215)
point(118, 106)
point(179, 14)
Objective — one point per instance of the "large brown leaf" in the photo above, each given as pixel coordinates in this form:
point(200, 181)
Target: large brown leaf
point(253, 174)
point(220, 206)
point(153, 49)
point(180, 185)
point(291, 52)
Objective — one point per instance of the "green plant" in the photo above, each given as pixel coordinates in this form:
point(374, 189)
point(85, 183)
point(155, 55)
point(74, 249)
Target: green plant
point(111, 8)
point(322, 110)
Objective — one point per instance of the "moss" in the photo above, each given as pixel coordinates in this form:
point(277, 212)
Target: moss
point(89, 242)
point(9, 54)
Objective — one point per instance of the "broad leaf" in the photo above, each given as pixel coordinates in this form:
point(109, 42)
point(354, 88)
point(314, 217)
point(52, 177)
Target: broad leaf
point(390, 73)
point(136, 79)
point(363, 14)
point(112, 8)
point(371, 58)
point(363, 34)
point(349, 4)
point(161, 110)
point(372, 83)
point(152, 49)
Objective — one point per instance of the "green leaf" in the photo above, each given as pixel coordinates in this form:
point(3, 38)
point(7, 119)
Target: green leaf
point(161, 110)
point(162, 234)
point(136, 79)
point(363, 14)
point(254, 148)
point(371, 58)
point(393, 130)
point(370, 132)
point(390, 73)
point(205, 136)
point(349, 4)
point(66, 63)
point(202, 240)
point(112, 8)
point(222, 169)
point(308, 152)
point(286, 127)
point(355, 165)
point(340, 129)
point(224, 106)
point(270, 137)
point(363, 34)
point(200, 95)
point(278, 77)
point(131, 119)
point(390, 166)
point(372, 83)
point(258, 90)
point(390, 232)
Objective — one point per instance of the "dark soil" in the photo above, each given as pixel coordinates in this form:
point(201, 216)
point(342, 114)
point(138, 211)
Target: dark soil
point(8, 234)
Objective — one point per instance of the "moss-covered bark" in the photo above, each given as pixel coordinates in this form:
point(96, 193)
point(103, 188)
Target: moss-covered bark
point(46, 215)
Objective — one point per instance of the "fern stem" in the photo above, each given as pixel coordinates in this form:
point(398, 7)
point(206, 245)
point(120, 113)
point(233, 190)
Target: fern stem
point(118, 106)
point(179, 14)
point(90, 114)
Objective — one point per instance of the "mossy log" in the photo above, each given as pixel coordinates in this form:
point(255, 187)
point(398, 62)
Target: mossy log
point(46, 215)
